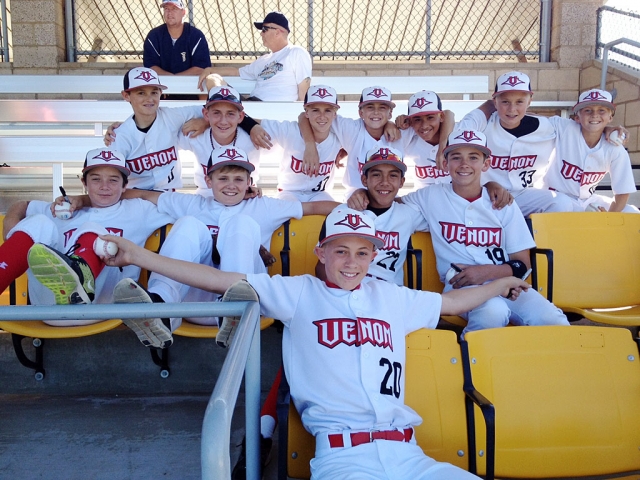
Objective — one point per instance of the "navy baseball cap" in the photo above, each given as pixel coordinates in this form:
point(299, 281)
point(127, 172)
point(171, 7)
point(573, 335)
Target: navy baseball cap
point(276, 18)
point(224, 94)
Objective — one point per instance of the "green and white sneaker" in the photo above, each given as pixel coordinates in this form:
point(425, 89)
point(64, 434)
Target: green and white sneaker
point(67, 276)
point(240, 291)
point(152, 332)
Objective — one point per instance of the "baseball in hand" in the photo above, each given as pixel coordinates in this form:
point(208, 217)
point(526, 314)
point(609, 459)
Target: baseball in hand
point(450, 274)
point(104, 248)
point(616, 138)
point(63, 211)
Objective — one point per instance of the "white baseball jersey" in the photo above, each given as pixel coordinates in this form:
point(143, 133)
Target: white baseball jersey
point(290, 176)
point(268, 212)
point(578, 169)
point(203, 145)
point(152, 157)
point(344, 351)
point(354, 138)
point(278, 74)
point(420, 158)
point(467, 232)
point(516, 163)
point(395, 227)
point(133, 219)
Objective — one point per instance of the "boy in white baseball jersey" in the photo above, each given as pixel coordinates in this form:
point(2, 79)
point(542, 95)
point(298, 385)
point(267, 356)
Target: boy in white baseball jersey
point(320, 108)
point(80, 276)
point(224, 113)
point(357, 137)
point(240, 226)
point(423, 140)
point(584, 157)
point(478, 241)
point(362, 427)
point(522, 145)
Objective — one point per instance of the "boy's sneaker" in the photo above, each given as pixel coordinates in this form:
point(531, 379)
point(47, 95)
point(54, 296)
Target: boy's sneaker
point(152, 332)
point(67, 276)
point(238, 292)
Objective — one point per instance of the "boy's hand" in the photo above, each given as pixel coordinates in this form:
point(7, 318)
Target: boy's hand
point(474, 275)
point(266, 256)
point(358, 200)
point(253, 192)
point(623, 134)
point(110, 136)
point(202, 79)
point(310, 160)
point(260, 138)
point(391, 132)
point(403, 122)
point(500, 197)
point(78, 202)
point(126, 251)
point(194, 127)
point(512, 287)
point(440, 159)
point(342, 153)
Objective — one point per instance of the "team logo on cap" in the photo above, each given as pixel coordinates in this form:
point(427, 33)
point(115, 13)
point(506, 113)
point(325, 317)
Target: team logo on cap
point(421, 102)
point(468, 136)
point(377, 92)
point(512, 81)
point(106, 156)
point(145, 76)
point(231, 154)
point(322, 93)
point(354, 222)
point(225, 92)
point(595, 95)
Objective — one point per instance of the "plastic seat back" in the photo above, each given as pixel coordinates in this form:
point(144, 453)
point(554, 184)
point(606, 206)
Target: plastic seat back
point(596, 258)
point(567, 399)
point(292, 245)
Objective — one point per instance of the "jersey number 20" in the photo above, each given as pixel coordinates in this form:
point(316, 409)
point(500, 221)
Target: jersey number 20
point(392, 375)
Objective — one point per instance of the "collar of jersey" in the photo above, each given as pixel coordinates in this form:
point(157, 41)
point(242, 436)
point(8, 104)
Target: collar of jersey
point(333, 285)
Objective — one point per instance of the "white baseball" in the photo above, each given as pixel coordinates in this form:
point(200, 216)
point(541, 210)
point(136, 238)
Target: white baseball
point(104, 248)
point(614, 137)
point(63, 211)
point(450, 274)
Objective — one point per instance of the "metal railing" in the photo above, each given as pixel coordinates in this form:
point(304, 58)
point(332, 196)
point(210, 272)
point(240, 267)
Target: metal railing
point(5, 15)
point(244, 355)
point(613, 25)
point(605, 56)
point(329, 29)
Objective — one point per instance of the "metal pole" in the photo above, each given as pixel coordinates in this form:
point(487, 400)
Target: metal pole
point(598, 30)
point(68, 21)
point(190, 7)
point(5, 34)
point(310, 26)
point(545, 31)
point(428, 51)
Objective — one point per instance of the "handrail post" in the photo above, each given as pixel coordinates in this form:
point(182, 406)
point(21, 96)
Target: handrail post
point(605, 57)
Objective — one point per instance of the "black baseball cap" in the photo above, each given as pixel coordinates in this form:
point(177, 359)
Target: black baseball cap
point(276, 18)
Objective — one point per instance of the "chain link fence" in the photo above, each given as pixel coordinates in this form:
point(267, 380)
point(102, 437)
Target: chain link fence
point(473, 30)
point(614, 24)
point(5, 31)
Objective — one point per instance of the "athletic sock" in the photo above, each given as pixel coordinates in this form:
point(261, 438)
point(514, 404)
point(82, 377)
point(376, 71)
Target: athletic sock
point(13, 258)
point(268, 414)
point(85, 251)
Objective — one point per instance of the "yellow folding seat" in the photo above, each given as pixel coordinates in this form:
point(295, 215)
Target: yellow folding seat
point(566, 400)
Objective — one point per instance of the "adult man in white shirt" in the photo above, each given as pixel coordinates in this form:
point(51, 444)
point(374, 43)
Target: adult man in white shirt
point(284, 74)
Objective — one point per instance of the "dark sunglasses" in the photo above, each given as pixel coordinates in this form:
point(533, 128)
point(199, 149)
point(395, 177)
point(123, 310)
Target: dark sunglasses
point(266, 29)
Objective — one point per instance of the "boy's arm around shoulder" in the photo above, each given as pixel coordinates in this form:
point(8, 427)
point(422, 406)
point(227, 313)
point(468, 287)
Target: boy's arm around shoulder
point(148, 195)
point(16, 212)
point(324, 207)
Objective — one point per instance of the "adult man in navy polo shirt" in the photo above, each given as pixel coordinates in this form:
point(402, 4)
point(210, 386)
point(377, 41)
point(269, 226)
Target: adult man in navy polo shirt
point(176, 48)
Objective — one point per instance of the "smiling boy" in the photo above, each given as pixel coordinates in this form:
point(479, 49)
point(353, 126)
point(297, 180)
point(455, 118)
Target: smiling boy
point(334, 402)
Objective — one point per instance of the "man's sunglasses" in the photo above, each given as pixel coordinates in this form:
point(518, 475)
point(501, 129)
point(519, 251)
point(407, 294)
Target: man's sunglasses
point(266, 29)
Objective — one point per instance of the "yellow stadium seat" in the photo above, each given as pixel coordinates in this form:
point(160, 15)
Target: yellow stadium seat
point(421, 272)
point(596, 264)
point(567, 400)
point(293, 245)
point(433, 388)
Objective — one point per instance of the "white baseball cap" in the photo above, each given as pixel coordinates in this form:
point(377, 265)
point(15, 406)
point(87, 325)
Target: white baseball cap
point(141, 77)
point(376, 94)
point(512, 82)
point(387, 155)
point(424, 102)
point(225, 94)
point(344, 221)
point(178, 3)
point(467, 138)
point(104, 157)
point(595, 96)
point(225, 156)
point(321, 94)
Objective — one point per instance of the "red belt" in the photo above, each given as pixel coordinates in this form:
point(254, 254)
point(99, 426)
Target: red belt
point(336, 440)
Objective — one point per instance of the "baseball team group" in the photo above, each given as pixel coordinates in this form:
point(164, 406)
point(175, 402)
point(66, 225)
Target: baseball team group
point(475, 181)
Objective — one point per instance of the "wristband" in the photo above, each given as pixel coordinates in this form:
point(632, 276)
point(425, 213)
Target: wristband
point(247, 123)
point(518, 268)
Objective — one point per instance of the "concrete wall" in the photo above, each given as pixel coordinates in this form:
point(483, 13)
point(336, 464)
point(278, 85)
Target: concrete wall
point(626, 84)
